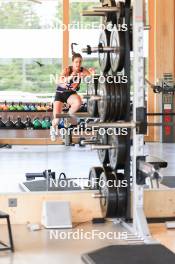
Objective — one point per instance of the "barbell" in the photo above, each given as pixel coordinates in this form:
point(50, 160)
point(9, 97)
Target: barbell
point(111, 50)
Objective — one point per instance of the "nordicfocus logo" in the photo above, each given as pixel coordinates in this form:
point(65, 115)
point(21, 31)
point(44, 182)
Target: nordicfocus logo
point(93, 25)
point(68, 183)
point(81, 234)
point(90, 80)
point(86, 131)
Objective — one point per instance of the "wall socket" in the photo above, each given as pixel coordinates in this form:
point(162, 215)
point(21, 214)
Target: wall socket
point(12, 202)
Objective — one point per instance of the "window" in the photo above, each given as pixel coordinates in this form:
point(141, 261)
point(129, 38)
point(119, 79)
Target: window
point(31, 44)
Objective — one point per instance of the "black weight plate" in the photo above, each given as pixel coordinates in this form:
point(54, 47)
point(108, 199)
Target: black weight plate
point(104, 103)
point(121, 196)
point(117, 155)
point(123, 107)
point(104, 57)
point(92, 105)
point(108, 201)
point(113, 102)
point(121, 102)
point(103, 154)
point(94, 176)
point(117, 58)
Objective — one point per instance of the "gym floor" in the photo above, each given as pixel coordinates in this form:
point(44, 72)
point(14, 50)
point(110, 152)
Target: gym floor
point(39, 248)
point(62, 159)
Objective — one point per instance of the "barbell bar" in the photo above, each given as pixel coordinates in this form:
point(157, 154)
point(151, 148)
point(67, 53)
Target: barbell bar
point(100, 49)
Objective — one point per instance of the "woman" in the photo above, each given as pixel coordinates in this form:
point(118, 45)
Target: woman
point(69, 84)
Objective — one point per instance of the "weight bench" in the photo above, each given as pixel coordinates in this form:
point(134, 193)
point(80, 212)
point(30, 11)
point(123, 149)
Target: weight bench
point(11, 245)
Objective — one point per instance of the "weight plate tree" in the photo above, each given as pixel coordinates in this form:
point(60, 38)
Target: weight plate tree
point(113, 100)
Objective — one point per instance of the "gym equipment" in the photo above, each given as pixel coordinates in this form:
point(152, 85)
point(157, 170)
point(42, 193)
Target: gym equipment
point(20, 107)
point(113, 198)
point(9, 124)
point(28, 123)
point(104, 59)
point(2, 124)
point(46, 123)
point(92, 106)
point(19, 124)
point(32, 107)
point(12, 107)
point(112, 101)
point(26, 108)
point(103, 154)
point(111, 50)
point(133, 254)
point(117, 59)
point(37, 124)
point(117, 154)
point(45, 174)
point(94, 176)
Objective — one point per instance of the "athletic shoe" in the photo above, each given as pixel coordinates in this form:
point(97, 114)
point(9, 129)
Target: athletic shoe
point(53, 133)
point(67, 123)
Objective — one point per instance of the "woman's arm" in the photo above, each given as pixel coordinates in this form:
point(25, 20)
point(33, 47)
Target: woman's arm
point(88, 72)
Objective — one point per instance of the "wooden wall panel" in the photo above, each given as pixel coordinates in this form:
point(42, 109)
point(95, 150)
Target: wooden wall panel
point(161, 51)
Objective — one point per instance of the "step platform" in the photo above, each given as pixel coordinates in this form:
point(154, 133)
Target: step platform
point(130, 254)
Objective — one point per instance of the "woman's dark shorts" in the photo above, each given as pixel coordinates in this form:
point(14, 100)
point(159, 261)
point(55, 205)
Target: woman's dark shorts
point(63, 96)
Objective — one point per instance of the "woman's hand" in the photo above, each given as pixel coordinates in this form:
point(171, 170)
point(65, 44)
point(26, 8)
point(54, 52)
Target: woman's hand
point(92, 71)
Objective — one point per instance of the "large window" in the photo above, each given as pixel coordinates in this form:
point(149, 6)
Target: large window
point(31, 44)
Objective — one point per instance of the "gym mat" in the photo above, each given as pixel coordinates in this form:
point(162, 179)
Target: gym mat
point(169, 181)
point(130, 254)
point(41, 186)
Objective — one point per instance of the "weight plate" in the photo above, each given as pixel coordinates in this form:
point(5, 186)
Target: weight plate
point(105, 102)
point(121, 102)
point(117, 40)
point(103, 154)
point(117, 155)
point(121, 196)
point(104, 57)
point(94, 176)
point(92, 106)
point(108, 201)
point(113, 102)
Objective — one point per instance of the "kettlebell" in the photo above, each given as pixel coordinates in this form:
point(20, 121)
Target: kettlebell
point(26, 108)
point(39, 107)
point(32, 107)
point(20, 107)
point(2, 125)
point(12, 107)
point(46, 123)
point(29, 124)
point(5, 107)
point(37, 124)
point(9, 124)
point(19, 124)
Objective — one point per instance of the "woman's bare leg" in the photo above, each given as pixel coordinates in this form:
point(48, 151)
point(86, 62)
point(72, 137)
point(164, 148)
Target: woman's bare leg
point(75, 103)
point(57, 109)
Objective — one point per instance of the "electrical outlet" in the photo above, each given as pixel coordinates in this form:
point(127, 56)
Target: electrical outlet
point(12, 202)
